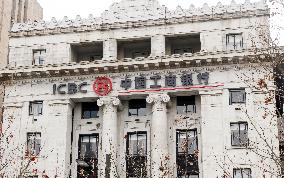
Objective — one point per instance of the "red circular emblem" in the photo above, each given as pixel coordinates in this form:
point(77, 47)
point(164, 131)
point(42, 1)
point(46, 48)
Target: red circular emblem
point(102, 86)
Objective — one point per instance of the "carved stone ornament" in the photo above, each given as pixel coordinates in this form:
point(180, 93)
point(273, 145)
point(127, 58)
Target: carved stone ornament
point(114, 101)
point(158, 101)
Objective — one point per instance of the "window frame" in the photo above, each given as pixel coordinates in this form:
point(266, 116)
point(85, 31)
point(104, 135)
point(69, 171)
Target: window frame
point(82, 110)
point(30, 153)
point(31, 108)
point(233, 90)
point(93, 160)
point(38, 61)
point(234, 44)
point(129, 156)
point(241, 169)
point(188, 156)
point(137, 108)
point(187, 111)
point(239, 133)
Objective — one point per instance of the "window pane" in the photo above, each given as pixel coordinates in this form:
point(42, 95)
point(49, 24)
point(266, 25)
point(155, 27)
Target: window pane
point(132, 144)
point(133, 112)
point(182, 142)
point(246, 173)
point(90, 110)
point(237, 173)
point(192, 142)
point(185, 104)
point(142, 145)
point(137, 107)
point(237, 96)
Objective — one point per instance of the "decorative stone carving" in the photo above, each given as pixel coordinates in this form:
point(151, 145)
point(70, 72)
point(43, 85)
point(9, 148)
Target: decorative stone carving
point(158, 101)
point(143, 10)
point(108, 100)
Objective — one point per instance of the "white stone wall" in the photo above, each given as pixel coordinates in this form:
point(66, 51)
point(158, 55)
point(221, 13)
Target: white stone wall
point(212, 121)
point(212, 37)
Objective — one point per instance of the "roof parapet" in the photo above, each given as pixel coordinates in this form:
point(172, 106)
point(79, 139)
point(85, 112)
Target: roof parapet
point(144, 11)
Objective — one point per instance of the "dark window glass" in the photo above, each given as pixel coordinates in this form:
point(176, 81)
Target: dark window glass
point(234, 41)
point(88, 156)
point(136, 158)
point(32, 177)
point(39, 56)
point(186, 104)
point(35, 108)
point(187, 153)
point(137, 107)
point(90, 110)
point(33, 144)
point(242, 173)
point(239, 134)
point(237, 96)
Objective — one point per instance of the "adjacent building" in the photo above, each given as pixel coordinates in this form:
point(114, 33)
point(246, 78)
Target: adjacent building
point(142, 92)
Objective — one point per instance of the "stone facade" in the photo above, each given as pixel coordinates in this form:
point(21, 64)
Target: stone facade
point(153, 75)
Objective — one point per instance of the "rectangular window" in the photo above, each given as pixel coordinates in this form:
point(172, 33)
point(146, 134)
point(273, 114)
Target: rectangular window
point(35, 108)
point(187, 153)
point(33, 143)
point(239, 134)
point(234, 41)
point(186, 104)
point(237, 96)
point(242, 173)
point(88, 156)
point(136, 154)
point(39, 56)
point(90, 110)
point(32, 177)
point(137, 107)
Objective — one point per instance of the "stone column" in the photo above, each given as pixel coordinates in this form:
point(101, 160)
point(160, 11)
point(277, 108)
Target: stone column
point(158, 45)
point(110, 49)
point(159, 135)
point(109, 136)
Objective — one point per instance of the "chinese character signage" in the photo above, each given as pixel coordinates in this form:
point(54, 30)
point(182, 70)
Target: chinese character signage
point(103, 86)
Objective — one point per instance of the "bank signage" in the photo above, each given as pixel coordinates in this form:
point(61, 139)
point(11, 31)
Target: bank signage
point(102, 86)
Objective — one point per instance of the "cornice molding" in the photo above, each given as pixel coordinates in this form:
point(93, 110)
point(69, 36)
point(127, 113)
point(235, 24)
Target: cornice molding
point(185, 61)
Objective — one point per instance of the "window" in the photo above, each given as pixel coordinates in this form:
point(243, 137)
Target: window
point(237, 96)
point(38, 56)
point(136, 154)
point(137, 107)
point(234, 41)
point(32, 177)
point(180, 44)
point(35, 108)
point(90, 110)
point(186, 104)
point(242, 173)
point(33, 144)
point(239, 134)
point(88, 156)
point(187, 153)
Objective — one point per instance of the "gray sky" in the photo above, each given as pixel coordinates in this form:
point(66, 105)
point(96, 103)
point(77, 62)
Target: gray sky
point(71, 8)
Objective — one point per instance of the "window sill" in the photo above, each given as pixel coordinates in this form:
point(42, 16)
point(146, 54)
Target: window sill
point(240, 148)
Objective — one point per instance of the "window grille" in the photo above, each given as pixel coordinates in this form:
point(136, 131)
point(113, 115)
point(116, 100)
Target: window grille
point(187, 153)
point(88, 156)
point(136, 154)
